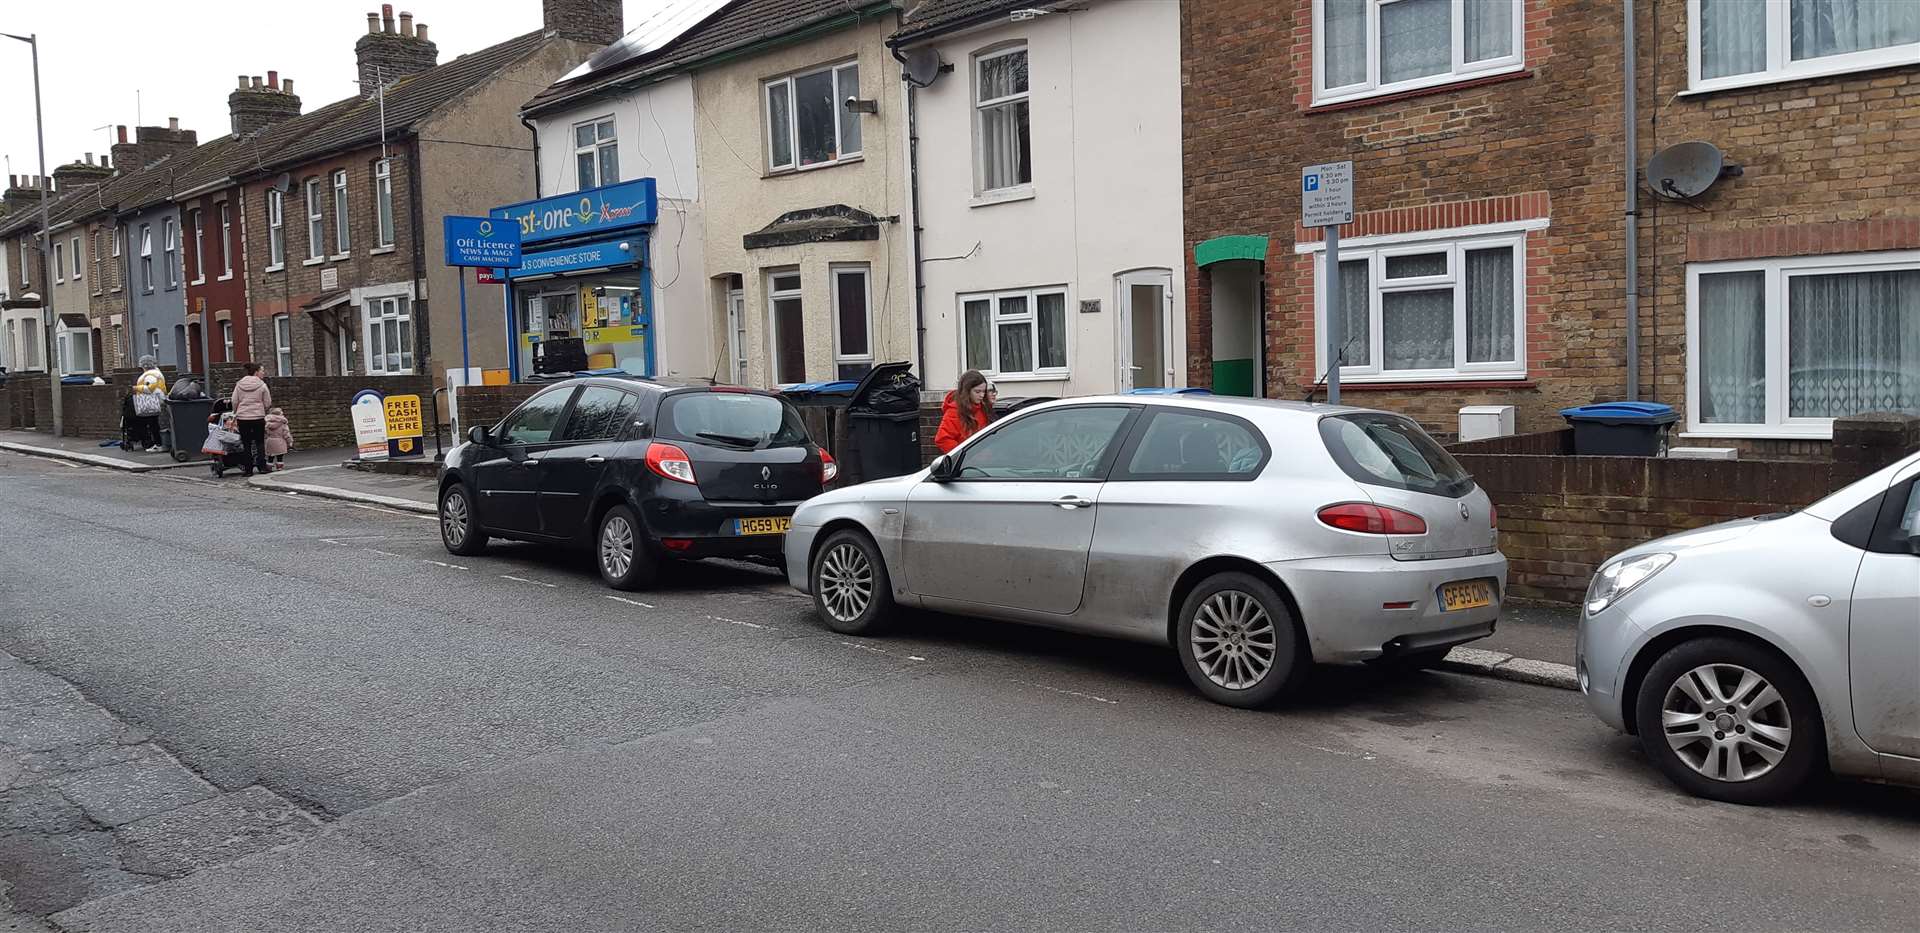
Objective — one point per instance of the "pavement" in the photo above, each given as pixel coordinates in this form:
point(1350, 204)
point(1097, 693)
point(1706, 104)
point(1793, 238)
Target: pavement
point(220, 712)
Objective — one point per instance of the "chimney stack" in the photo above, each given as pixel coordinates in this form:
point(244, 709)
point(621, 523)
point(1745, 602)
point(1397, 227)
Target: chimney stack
point(387, 54)
point(21, 194)
point(594, 22)
point(258, 105)
point(153, 143)
point(126, 155)
point(80, 173)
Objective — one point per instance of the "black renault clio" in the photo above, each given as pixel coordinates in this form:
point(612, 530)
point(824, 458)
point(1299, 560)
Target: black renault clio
point(636, 470)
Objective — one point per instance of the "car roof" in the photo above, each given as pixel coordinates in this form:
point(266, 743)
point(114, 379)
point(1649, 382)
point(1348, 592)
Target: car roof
point(1225, 404)
point(648, 383)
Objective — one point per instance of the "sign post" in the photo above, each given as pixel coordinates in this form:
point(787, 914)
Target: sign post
point(489, 244)
point(1326, 201)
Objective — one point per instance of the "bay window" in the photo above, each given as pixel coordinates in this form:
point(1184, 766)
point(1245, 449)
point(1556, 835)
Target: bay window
point(807, 120)
point(1734, 43)
point(1437, 309)
point(1002, 120)
point(1015, 332)
point(1364, 48)
point(1781, 347)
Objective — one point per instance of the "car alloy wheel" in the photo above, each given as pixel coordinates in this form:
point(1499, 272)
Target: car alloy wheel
point(1234, 640)
point(1727, 722)
point(846, 582)
point(616, 546)
point(458, 530)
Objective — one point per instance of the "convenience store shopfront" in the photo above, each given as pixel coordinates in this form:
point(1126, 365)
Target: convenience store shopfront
point(583, 295)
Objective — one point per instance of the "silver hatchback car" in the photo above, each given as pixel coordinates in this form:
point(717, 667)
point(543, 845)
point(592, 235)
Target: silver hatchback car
point(1748, 654)
point(1255, 537)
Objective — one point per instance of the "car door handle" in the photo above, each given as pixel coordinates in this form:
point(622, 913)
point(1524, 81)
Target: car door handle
point(530, 462)
point(596, 460)
point(1072, 502)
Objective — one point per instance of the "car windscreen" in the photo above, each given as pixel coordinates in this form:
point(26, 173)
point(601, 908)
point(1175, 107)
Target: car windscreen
point(731, 419)
point(1388, 450)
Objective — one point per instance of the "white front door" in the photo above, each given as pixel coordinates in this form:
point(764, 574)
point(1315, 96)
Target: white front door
point(737, 335)
point(1145, 322)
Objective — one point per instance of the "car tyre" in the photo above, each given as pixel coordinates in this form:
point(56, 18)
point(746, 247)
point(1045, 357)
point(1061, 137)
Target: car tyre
point(851, 590)
point(1759, 714)
point(459, 523)
point(1239, 641)
point(621, 551)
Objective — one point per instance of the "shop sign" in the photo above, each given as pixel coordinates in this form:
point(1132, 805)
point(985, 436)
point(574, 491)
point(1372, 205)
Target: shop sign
point(598, 255)
point(481, 241)
point(596, 210)
point(369, 415)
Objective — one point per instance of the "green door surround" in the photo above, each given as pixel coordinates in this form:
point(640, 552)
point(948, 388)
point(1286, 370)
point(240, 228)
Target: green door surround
point(1223, 248)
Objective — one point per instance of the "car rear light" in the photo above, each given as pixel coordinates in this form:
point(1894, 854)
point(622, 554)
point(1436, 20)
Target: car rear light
point(1367, 518)
point(670, 461)
point(677, 544)
point(828, 468)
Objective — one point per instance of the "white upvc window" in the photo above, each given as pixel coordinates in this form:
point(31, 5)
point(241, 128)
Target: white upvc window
point(1015, 333)
point(276, 231)
point(389, 336)
point(596, 153)
point(153, 342)
point(226, 341)
point(76, 351)
point(79, 257)
point(787, 328)
point(200, 248)
point(383, 201)
point(1002, 128)
point(1439, 309)
point(171, 254)
point(283, 344)
point(316, 223)
point(808, 125)
point(26, 276)
point(1782, 347)
point(119, 236)
point(852, 320)
point(59, 261)
point(1366, 48)
point(226, 242)
point(146, 257)
point(342, 227)
point(1738, 43)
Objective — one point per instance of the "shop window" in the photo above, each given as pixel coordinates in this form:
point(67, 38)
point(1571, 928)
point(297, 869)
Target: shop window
point(789, 328)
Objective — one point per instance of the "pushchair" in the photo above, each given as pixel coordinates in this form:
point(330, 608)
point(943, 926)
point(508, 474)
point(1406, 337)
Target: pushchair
point(223, 449)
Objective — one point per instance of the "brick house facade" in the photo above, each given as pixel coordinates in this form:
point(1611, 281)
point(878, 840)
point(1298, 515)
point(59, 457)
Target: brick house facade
point(1514, 166)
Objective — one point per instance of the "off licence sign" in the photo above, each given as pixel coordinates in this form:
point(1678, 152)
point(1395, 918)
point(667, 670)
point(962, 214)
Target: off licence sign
point(482, 241)
point(403, 416)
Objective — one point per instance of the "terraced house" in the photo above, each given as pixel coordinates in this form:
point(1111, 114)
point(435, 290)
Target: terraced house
point(1525, 233)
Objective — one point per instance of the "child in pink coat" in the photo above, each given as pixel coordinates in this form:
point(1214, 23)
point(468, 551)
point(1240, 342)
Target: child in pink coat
point(279, 439)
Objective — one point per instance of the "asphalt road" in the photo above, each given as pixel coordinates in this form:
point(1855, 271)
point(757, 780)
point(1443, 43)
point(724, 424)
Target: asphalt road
point(227, 710)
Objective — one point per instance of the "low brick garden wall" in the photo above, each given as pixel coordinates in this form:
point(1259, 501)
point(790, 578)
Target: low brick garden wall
point(488, 404)
point(1562, 516)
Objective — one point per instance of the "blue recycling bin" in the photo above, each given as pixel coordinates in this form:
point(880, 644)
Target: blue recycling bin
point(1169, 390)
point(1620, 429)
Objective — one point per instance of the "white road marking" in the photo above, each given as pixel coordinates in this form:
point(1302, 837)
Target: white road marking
point(508, 576)
point(375, 550)
point(441, 563)
point(737, 622)
point(631, 602)
point(1071, 693)
point(334, 543)
point(915, 657)
point(855, 644)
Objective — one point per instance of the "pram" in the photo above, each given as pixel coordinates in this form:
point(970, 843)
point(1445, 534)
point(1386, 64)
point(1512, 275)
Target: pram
point(223, 450)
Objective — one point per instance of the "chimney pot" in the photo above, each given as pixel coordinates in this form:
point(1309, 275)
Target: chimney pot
point(420, 32)
point(273, 80)
point(386, 18)
point(406, 24)
point(243, 82)
point(89, 158)
point(373, 23)
point(286, 86)
point(173, 123)
point(123, 133)
point(255, 83)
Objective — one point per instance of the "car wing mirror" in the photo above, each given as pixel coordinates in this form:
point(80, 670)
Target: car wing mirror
point(1913, 544)
point(941, 469)
point(480, 435)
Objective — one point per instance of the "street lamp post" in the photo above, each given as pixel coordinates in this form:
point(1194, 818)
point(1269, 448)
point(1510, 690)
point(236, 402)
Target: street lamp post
point(46, 236)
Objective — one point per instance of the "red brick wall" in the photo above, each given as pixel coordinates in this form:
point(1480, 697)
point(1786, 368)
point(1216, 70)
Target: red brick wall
point(1831, 165)
point(215, 295)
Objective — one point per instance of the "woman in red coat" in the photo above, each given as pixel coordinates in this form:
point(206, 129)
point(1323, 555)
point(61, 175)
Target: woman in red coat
point(964, 413)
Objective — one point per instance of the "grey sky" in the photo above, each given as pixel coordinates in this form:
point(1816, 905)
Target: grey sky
point(182, 56)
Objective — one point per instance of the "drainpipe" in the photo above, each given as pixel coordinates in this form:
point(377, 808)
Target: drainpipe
point(422, 323)
point(536, 158)
point(913, 194)
point(1632, 199)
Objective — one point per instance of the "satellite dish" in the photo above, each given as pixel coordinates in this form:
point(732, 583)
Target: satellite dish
point(283, 183)
point(1685, 171)
point(923, 65)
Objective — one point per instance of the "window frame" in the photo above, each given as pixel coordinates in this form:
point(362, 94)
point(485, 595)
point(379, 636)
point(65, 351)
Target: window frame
point(276, 231)
point(1780, 66)
point(283, 344)
point(1032, 314)
point(1123, 435)
point(146, 258)
point(26, 268)
point(226, 242)
point(404, 316)
point(79, 257)
point(170, 251)
point(199, 216)
point(980, 108)
point(840, 116)
point(1122, 471)
point(226, 341)
point(1459, 69)
point(1456, 246)
point(598, 144)
point(342, 217)
point(775, 295)
point(59, 262)
point(834, 272)
point(1775, 327)
point(316, 222)
point(383, 226)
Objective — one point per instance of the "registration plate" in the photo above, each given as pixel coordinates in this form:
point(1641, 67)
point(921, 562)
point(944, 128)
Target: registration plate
point(1473, 594)
point(761, 526)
